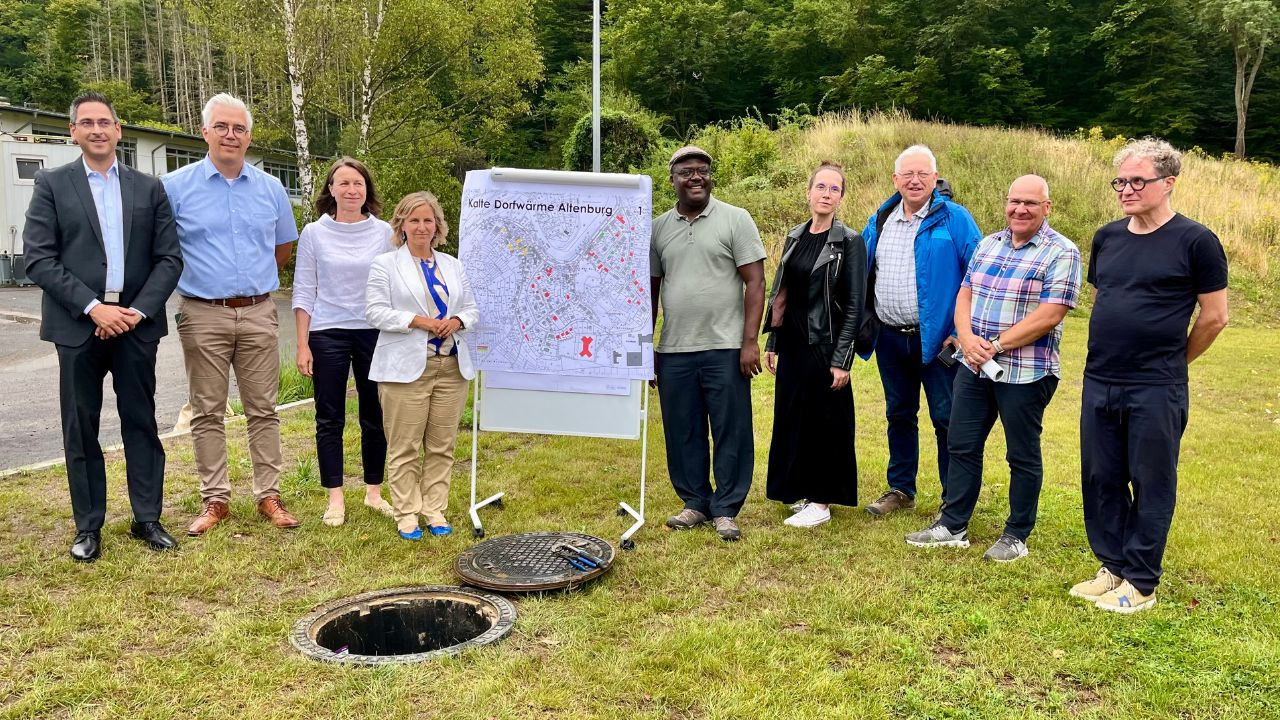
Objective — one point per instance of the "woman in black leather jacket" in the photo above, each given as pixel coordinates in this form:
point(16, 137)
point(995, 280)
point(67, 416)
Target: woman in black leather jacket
point(812, 319)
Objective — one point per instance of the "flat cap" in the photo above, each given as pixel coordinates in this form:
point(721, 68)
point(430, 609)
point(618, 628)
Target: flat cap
point(687, 152)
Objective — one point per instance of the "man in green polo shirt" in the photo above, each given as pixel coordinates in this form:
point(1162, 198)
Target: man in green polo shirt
point(707, 265)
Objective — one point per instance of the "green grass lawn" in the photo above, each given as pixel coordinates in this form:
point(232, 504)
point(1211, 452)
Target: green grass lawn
point(842, 621)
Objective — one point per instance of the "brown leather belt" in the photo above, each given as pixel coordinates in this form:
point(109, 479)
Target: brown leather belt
point(235, 302)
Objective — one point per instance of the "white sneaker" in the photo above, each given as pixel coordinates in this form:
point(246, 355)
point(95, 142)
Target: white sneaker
point(809, 516)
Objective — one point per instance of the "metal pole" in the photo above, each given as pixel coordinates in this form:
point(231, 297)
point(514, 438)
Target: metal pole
point(595, 85)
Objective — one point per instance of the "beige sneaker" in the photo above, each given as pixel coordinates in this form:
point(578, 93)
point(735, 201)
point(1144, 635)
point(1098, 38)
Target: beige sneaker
point(1126, 599)
point(1102, 583)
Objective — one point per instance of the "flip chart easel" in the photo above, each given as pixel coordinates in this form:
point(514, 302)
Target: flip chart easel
point(557, 412)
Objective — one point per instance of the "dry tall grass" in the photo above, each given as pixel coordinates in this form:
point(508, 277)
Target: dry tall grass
point(766, 171)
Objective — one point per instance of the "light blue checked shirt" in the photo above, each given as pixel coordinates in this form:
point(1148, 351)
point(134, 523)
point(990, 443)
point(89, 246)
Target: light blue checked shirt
point(106, 200)
point(896, 300)
point(1009, 283)
point(229, 230)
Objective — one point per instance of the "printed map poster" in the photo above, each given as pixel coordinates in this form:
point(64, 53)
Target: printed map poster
point(560, 269)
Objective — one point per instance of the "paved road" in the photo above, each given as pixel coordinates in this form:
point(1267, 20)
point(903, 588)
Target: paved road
point(30, 422)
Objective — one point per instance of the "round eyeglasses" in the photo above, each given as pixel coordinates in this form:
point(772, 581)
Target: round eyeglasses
point(1137, 183)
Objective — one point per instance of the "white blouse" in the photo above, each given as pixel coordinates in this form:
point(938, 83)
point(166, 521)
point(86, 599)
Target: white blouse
point(332, 270)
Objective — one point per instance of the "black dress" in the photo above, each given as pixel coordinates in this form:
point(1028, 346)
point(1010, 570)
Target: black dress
point(811, 456)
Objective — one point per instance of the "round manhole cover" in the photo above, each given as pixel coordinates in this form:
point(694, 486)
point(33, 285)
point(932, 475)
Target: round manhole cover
point(402, 625)
point(531, 562)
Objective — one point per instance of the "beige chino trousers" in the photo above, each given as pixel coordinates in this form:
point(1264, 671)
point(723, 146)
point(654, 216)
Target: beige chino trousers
point(214, 341)
point(422, 417)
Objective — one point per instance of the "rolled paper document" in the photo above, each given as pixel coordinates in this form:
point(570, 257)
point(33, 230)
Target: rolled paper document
point(992, 369)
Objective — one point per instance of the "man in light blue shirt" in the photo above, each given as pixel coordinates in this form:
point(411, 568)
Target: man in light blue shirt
point(237, 229)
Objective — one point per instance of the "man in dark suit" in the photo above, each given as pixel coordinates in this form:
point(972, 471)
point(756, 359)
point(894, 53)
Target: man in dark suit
point(102, 244)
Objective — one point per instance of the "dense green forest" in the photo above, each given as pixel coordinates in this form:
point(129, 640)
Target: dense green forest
point(428, 88)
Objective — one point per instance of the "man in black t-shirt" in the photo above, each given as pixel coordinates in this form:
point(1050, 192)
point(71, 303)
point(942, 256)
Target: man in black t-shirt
point(1151, 270)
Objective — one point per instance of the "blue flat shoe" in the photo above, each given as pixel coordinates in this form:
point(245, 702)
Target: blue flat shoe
point(415, 535)
point(441, 529)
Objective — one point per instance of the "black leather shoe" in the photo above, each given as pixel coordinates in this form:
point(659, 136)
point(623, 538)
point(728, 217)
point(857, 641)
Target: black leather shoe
point(153, 534)
point(86, 547)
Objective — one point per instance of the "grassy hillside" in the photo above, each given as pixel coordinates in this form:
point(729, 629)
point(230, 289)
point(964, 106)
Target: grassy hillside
point(766, 172)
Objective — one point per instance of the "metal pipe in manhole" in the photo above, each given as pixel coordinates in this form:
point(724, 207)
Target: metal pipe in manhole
point(403, 625)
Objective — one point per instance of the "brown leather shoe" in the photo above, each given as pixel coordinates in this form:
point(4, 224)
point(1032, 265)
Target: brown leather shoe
point(272, 508)
point(215, 511)
point(890, 502)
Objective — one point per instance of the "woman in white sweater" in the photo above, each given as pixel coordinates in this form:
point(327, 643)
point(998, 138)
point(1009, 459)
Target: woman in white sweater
point(420, 299)
point(334, 254)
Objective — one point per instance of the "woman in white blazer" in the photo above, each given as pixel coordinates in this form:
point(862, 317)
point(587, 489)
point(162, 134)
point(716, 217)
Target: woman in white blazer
point(421, 302)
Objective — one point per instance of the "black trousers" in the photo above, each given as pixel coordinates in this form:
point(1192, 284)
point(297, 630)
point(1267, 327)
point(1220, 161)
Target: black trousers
point(1129, 441)
point(975, 405)
point(335, 354)
point(697, 388)
point(81, 370)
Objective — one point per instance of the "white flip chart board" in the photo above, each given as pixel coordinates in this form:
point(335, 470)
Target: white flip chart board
point(559, 263)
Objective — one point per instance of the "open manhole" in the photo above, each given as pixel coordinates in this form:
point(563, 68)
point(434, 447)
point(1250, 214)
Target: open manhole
point(403, 625)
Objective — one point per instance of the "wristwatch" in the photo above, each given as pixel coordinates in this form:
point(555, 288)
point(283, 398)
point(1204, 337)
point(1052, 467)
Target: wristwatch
point(995, 343)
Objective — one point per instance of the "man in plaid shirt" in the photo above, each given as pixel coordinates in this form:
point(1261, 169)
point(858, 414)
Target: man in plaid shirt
point(1019, 286)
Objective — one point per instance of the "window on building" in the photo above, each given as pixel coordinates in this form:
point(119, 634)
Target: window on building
point(178, 157)
point(127, 152)
point(28, 167)
point(51, 130)
point(286, 174)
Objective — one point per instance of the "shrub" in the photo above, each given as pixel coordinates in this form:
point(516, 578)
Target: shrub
point(626, 139)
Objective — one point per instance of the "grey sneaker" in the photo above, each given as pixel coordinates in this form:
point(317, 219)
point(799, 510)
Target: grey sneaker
point(1007, 549)
point(796, 507)
point(727, 529)
point(937, 535)
point(891, 501)
point(686, 519)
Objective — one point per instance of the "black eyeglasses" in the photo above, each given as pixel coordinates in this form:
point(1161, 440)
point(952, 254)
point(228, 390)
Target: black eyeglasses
point(686, 173)
point(1137, 183)
point(224, 129)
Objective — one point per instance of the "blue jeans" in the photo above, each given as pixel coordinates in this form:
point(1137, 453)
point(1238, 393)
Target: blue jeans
point(902, 375)
point(697, 389)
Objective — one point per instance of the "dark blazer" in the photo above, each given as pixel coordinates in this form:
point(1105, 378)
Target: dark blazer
point(66, 257)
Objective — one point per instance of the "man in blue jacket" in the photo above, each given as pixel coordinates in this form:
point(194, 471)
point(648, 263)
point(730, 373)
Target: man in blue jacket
point(918, 246)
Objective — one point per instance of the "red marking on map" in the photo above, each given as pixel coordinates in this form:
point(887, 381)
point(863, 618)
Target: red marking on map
point(586, 347)
point(566, 296)
point(549, 271)
point(553, 317)
point(591, 253)
point(546, 294)
point(526, 337)
point(533, 285)
point(623, 220)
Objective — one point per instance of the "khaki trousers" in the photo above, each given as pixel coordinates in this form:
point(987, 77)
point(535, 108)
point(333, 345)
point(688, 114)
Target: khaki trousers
point(422, 417)
point(215, 340)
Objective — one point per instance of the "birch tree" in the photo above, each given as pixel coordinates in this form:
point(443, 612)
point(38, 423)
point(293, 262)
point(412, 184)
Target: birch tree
point(1251, 26)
